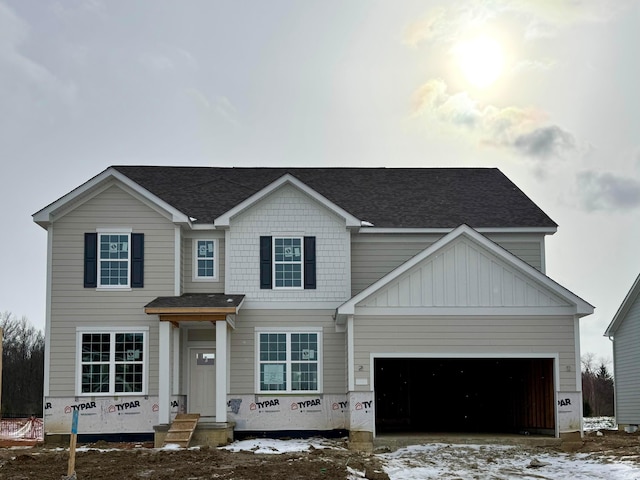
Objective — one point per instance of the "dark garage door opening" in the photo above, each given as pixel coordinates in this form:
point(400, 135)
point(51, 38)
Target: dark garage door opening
point(474, 395)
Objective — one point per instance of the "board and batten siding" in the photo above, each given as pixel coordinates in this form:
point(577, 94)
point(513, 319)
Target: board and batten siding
point(188, 256)
point(289, 212)
point(73, 306)
point(243, 361)
point(375, 255)
point(448, 336)
point(626, 360)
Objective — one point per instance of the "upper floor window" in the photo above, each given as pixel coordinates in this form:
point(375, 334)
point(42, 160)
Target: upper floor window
point(205, 260)
point(288, 262)
point(112, 361)
point(113, 259)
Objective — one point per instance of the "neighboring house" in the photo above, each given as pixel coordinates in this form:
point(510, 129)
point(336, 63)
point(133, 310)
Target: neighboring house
point(280, 300)
point(624, 331)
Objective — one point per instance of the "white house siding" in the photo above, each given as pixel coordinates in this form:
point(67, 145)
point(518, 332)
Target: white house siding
point(465, 336)
point(73, 305)
point(626, 355)
point(375, 255)
point(288, 211)
point(243, 362)
point(191, 286)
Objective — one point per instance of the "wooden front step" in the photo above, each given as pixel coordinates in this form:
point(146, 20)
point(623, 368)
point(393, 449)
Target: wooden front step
point(182, 429)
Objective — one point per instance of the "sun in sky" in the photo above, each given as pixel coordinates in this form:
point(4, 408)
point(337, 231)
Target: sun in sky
point(481, 60)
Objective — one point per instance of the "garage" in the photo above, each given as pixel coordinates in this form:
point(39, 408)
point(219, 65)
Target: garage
point(473, 395)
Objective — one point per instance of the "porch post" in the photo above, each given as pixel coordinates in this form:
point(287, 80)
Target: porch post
point(221, 371)
point(164, 380)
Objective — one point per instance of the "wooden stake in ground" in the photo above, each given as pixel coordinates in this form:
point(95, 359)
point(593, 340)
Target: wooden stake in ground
point(72, 445)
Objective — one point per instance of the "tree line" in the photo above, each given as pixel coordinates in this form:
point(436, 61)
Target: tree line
point(22, 366)
point(597, 387)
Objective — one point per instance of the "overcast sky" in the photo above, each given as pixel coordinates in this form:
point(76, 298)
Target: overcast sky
point(545, 90)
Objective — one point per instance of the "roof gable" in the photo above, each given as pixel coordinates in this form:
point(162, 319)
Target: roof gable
point(464, 269)
point(625, 306)
point(287, 179)
point(97, 184)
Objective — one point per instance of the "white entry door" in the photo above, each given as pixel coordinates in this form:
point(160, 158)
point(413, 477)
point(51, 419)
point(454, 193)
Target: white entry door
point(202, 382)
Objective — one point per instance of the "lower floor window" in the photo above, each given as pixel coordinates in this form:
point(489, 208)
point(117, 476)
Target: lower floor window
point(112, 362)
point(289, 361)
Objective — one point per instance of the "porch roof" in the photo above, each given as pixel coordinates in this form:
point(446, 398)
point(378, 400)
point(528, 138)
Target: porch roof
point(194, 307)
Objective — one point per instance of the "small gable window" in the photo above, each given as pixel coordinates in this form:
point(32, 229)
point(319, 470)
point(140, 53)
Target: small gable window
point(205, 259)
point(287, 262)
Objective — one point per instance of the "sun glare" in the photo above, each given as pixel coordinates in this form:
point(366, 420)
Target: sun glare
point(480, 60)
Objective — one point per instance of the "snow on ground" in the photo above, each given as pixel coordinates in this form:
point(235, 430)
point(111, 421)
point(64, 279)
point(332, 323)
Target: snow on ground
point(269, 445)
point(599, 423)
point(444, 461)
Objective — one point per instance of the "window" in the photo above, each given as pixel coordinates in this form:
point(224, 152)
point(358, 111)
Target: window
point(289, 362)
point(287, 262)
point(113, 259)
point(204, 267)
point(112, 362)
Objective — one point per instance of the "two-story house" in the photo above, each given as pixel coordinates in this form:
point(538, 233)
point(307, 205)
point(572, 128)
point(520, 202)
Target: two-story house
point(298, 300)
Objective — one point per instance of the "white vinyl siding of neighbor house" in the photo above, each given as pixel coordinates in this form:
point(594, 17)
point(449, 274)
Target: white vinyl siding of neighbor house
point(626, 356)
point(288, 212)
point(243, 362)
point(465, 336)
point(203, 285)
point(73, 306)
point(375, 255)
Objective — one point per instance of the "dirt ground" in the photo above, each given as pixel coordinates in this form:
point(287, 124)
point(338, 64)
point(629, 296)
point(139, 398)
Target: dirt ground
point(143, 462)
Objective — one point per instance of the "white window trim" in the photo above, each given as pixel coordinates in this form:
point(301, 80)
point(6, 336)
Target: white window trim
point(288, 331)
point(273, 262)
point(112, 330)
point(114, 231)
point(194, 247)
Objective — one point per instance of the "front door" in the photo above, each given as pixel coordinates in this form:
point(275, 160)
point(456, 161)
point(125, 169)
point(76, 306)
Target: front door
point(202, 382)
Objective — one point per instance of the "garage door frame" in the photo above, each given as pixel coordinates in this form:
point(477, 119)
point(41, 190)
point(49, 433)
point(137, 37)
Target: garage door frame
point(466, 355)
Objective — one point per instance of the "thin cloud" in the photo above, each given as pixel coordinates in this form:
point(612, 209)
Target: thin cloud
point(545, 142)
point(540, 19)
point(518, 129)
point(606, 191)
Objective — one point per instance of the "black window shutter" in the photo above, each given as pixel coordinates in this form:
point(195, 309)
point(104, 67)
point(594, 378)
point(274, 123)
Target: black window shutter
point(309, 262)
point(137, 260)
point(90, 260)
point(265, 262)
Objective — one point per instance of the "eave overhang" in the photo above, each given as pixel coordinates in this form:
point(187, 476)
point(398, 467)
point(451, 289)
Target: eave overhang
point(626, 304)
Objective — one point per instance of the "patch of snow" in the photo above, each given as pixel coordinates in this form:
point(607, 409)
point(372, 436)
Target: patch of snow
point(171, 446)
point(599, 423)
point(275, 446)
point(494, 461)
point(364, 223)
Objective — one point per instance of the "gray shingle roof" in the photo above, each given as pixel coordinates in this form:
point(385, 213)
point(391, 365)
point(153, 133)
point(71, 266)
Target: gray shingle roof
point(197, 300)
point(386, 197)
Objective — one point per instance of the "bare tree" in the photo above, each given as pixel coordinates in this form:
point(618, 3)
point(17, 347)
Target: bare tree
point(22, 366)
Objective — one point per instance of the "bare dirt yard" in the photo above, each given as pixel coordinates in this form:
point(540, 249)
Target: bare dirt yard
point(332, 460)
